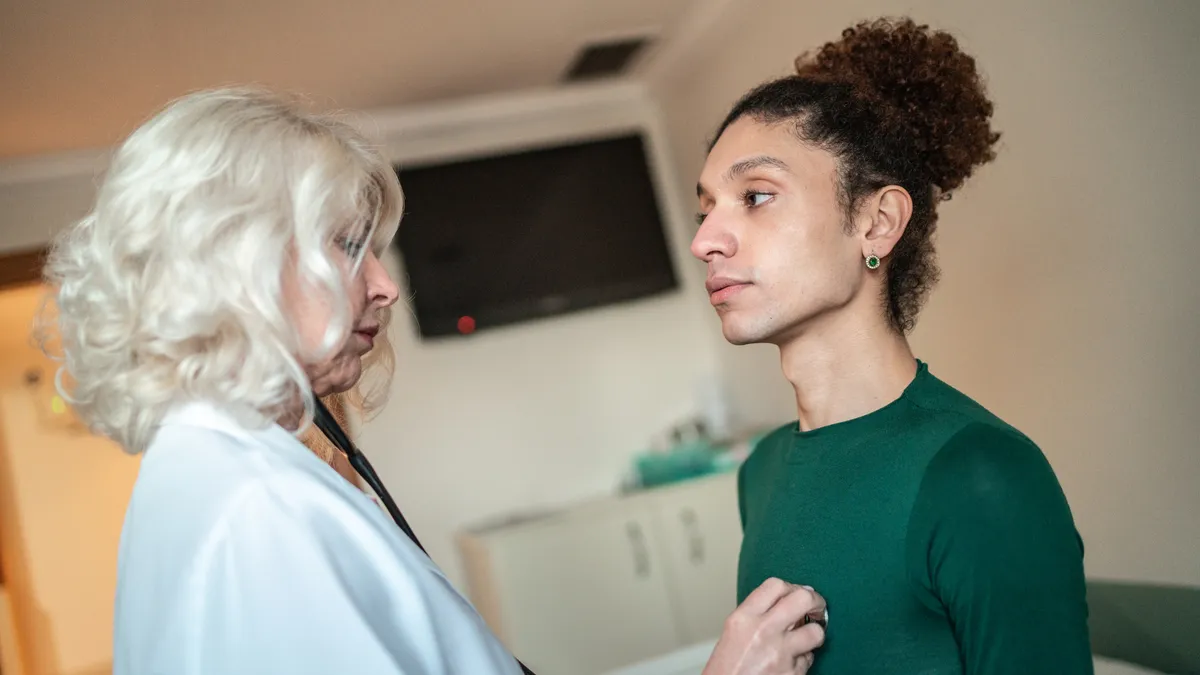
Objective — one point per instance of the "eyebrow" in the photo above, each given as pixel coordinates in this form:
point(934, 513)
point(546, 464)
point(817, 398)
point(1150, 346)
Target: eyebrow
point(747, 165)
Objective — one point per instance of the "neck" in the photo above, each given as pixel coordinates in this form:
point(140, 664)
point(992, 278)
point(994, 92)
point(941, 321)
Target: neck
point(846, 367)
point(291, 420)
point(292, 415)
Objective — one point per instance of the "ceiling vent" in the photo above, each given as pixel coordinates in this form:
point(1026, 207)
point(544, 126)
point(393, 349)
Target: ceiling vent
point(605, 59)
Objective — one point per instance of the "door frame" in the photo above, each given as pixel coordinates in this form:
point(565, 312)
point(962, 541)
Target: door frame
point(20, 268)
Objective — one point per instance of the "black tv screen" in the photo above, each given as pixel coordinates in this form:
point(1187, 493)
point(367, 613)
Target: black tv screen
point(498, 240)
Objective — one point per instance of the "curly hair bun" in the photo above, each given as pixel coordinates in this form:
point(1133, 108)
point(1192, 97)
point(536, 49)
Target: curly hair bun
point(927, 91)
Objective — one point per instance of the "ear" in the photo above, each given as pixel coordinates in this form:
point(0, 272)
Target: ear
point(886, 216)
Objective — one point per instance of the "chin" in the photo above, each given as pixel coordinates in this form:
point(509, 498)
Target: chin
point(736, 333)
point(739, 328)
point(340, 379)
point(735, 338)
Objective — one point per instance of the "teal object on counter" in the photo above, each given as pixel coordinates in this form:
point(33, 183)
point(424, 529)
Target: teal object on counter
point(690, 460)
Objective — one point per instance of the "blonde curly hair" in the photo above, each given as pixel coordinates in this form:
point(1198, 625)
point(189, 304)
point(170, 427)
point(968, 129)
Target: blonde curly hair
point(170, 288)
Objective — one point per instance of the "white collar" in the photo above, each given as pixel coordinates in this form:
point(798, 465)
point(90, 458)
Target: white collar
point(209, 415)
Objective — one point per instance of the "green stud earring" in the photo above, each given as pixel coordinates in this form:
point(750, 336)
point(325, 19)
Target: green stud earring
point(872, 262)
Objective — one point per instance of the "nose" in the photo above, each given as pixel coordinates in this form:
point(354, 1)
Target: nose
point(713, 239)
point(381, 290)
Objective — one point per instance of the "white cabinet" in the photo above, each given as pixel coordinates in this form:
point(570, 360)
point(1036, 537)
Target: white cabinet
point(613, 582)
point(561, 590)
point(701, 534)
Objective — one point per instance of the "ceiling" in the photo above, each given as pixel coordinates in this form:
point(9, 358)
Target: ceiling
point(80, 74)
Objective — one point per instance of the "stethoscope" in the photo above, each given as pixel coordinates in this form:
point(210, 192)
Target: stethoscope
point(333, 431)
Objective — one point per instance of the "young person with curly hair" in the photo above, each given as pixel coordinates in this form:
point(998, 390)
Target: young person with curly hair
point(938, 534)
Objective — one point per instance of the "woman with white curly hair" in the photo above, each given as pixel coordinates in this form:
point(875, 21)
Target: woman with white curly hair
point(227, 275)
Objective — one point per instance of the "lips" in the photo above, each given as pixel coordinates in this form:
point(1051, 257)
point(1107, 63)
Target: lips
point(721, 289)
point(367, 333)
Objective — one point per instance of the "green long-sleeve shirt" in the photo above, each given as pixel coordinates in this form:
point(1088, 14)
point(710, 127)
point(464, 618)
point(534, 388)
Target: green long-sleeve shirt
point(939, 536)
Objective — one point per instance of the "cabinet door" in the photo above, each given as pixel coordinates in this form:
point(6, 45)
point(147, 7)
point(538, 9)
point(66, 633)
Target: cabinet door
point(583, 593)
point(702, 537)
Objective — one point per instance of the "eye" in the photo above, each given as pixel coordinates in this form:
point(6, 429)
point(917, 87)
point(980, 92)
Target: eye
point(700, 218)
point(352, 247)
point(754, 198)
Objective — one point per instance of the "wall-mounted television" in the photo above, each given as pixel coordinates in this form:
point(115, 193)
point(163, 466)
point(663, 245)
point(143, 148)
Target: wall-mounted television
point(496, 240)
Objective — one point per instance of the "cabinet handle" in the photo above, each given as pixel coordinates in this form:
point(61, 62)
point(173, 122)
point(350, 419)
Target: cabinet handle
point(641, 557)
point(695, 537)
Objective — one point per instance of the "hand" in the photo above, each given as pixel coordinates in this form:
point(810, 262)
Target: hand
point(767, 634)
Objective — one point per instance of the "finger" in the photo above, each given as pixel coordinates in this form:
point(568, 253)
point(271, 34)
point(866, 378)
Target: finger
point(791, 609)
point(817, 615)
point(766, 596)
point(804, 640)
point(804, 663)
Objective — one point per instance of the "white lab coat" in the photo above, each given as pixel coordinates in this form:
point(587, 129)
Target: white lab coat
point(243, 552)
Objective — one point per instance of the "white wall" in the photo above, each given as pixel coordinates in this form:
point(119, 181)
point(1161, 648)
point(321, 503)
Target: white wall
point(33, 208)
point(1070, 302)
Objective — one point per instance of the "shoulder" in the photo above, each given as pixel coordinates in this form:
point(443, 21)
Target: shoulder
point(971, 440)
point(202, 484)
point(216, 466)
point(990, 484)
point(287, 517)
point(949, 403)
point(986, 460)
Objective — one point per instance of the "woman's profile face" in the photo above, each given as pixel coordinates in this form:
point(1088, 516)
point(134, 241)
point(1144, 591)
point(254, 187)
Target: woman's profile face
point(370, 290)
